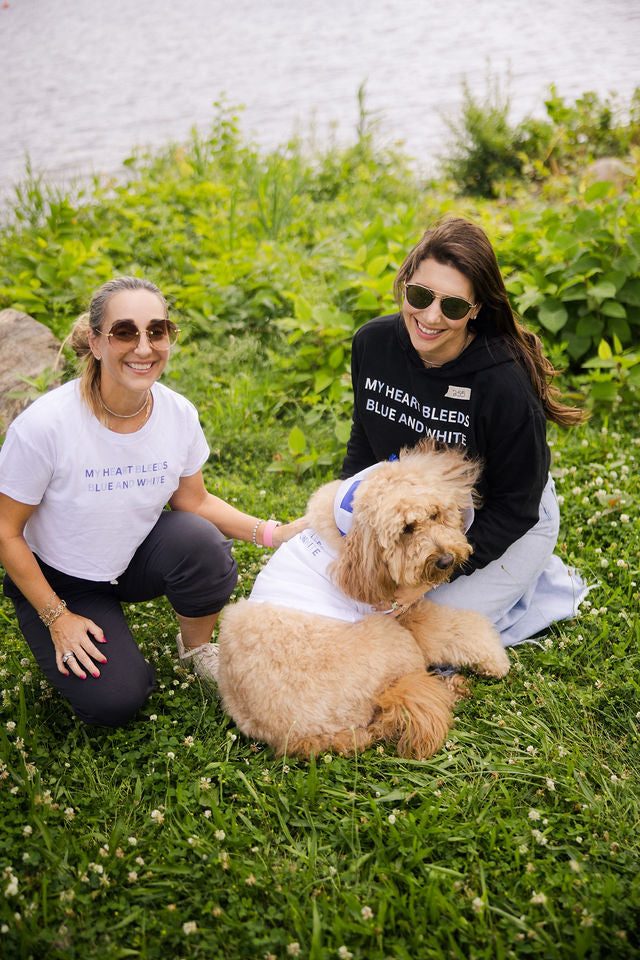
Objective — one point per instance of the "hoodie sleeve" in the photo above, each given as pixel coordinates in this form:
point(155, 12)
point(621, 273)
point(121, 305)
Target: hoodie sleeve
point(516, 459)
point(359, 451)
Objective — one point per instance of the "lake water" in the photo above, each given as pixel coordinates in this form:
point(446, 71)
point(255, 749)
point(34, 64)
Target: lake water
point(84, 81)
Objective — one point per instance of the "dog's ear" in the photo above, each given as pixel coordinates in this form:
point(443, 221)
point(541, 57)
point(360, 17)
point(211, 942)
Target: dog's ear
point(359, 570)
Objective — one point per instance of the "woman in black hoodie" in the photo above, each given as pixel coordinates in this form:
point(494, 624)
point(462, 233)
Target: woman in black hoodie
point(456, 365)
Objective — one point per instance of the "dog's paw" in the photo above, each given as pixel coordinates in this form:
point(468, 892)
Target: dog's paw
point(458, 685)
point(495, 664)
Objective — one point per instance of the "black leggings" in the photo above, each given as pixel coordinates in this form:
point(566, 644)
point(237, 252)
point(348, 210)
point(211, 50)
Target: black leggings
point(184, 558)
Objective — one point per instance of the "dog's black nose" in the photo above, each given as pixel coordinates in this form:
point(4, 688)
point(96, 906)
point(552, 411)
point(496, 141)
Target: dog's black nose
point(444, 561)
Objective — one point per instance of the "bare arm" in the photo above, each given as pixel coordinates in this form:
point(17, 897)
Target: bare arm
point(193, 496)
point(69, 632)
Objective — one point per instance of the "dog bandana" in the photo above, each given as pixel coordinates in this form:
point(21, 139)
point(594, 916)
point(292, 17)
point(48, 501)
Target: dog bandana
point(343, 503)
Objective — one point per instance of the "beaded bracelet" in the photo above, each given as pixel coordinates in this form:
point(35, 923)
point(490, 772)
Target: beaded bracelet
point(267, 533)
point(50, 616)
point(255, 530)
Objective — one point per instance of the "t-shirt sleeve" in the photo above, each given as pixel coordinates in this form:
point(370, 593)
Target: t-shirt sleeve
point(26, 467)
point(197, 452)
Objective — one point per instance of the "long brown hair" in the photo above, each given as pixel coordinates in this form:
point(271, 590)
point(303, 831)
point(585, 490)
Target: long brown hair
point(91, 322)
point(463, 245)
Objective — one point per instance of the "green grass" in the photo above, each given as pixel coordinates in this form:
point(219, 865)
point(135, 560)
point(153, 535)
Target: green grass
point(519, 838)
point(176, 837)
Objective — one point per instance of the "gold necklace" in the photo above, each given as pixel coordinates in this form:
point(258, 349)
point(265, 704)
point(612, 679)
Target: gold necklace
point(467, 341)
point(126, 416)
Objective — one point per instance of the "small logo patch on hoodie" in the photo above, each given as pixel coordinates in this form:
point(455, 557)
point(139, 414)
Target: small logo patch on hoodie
point(458, 393)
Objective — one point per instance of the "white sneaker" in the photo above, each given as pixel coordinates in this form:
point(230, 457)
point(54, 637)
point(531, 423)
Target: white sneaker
point(204, 658)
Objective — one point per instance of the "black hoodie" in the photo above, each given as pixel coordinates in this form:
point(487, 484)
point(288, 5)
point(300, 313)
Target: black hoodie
point(482, 402)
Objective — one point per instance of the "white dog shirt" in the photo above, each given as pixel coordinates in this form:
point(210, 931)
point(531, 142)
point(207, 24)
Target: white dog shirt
point(296, 577)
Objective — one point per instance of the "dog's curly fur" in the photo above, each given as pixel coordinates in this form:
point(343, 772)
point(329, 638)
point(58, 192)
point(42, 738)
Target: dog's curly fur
point(303, 682)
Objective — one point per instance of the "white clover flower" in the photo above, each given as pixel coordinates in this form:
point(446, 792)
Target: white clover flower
point(133, 841)
point(132, 876)
point(69, 813)
point(207, 813)
point(189, 927)
point(250, 880)
point(538, 898)
point(219, 834)
point(533, 814)
point(531, 750)
point(366, 913)
point(10, 725)
point(171, 755)
point(477, 904)
point(604, 562)
point(391, 818)
point(27, 831)
point(575, 866)
point(140, 861)
point(293, 949)
point(157, 816)
point(343, 953)
point(154, 716)
point(11, 889)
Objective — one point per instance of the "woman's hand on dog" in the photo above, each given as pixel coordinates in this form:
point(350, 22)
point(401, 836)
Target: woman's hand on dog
point(285, 531)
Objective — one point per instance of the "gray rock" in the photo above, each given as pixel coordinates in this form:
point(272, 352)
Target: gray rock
point(27, 348)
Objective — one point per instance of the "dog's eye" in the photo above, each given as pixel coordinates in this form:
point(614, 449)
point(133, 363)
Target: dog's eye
point(409, 528)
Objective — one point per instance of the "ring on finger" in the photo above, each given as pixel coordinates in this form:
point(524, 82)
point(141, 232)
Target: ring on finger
point(67, 656)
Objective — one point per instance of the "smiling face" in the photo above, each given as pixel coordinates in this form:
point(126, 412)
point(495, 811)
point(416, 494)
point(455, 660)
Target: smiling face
point(435, 337)
point(128, 370)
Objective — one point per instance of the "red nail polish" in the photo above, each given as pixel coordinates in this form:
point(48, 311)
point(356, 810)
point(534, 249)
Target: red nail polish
point(95, 675)
point(104, 660)
point(104, 640)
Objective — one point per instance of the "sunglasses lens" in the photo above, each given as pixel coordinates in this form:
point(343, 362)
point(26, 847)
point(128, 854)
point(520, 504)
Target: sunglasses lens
point(454, 308)
point(418, 297)
point(124, 332)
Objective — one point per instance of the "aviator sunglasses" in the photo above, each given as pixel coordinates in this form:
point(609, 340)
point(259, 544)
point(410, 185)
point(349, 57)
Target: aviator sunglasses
point(160, 333)
point(419, 297)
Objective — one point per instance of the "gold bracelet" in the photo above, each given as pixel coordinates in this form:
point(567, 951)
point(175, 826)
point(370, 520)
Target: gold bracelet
point(50, 616)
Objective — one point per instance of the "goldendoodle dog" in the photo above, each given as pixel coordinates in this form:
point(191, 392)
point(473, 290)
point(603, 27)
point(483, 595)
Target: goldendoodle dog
point(320, 656)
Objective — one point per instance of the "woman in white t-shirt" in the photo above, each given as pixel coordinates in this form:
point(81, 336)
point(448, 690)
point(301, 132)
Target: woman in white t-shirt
point(85, 475)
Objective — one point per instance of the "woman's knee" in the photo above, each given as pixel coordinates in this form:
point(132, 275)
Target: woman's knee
point(114, 704)
point(202, 574)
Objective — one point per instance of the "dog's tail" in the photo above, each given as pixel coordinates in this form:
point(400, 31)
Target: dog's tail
point(413, 712)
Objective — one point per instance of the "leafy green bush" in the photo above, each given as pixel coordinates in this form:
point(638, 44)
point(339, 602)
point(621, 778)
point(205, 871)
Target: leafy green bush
point(487, 153)
point(574, 270)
